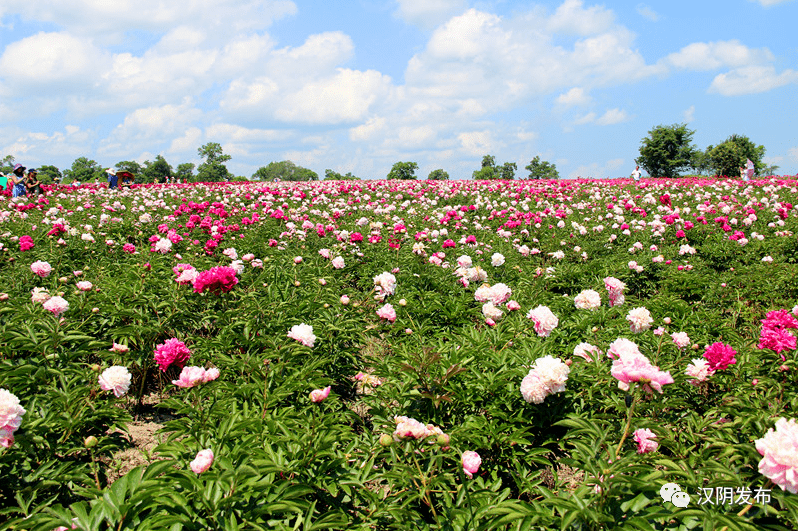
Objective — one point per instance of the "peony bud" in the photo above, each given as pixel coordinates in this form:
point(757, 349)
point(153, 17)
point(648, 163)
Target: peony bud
point(386, 440)
point(90, 441)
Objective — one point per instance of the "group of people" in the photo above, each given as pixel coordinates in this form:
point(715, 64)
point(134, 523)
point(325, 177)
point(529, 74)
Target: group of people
point(125, 178)
point(21, 183)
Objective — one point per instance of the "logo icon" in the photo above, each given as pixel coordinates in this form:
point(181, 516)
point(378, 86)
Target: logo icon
point(671, 492)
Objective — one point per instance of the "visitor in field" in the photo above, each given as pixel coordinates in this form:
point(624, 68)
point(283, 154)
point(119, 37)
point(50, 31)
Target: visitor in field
point(33, 186)
point(17, 180)
point(636, 173)
point(127, 178)
point(113, 179)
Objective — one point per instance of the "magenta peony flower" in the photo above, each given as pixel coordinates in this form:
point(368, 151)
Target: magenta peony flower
point(779, 450)
point(215, 280)
point(318, 395)
point(645, 441)
point(56, 304)
point(43, 269)
point(10, 417)
point(387, 312)
point(171, 352)
point(775, 335)
point(720, 356)
point(116, 379)
point(202, 462)
point(303, 333)
point(634, 367)
point(471, 462)
point(129, 248)
point(26, 243)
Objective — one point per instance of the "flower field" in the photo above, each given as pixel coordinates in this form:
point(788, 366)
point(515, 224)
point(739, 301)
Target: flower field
point(402, 355)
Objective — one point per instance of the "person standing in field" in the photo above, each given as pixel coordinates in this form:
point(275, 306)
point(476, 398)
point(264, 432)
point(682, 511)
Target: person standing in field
point(17, 180)
point(113, 180)
point(636, 173)
point(32, 184)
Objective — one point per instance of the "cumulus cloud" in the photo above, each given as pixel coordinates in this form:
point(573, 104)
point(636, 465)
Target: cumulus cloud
point(573, 18)
point(646, 12)
point(689, 115)
point(477, 142)
point(574, 97)
point(612, 116)
point(768, 3)
point(751, 80)
point(703, 56)
point(429, 13)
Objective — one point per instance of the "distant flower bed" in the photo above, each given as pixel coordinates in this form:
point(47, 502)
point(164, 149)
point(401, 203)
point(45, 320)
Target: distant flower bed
point(383, 354)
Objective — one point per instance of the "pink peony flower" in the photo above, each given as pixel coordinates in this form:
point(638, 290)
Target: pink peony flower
point(10, 417)
point(513, 305)
point(639, 320)
point(622, 346)
point(303, 333)
point(318, 395)
point(471, 462)
point(202, 462)
point(119, 349)
point(43, 269)
point(630, 368)
point(116, 379)
point(720, 356)
point(39, 295)
point(387, 312)
point(645, 441)
point(211, 374)
point(779, 451)
point(84, 285)
point(698, 370)
point(545, 321)
point(547, 376)
point(681, 339)
point(216, 280)
point(385, 284)
point(56, 304)
point(190, 377)
point(586, 351)
point(409, 428)
point(171, 352)
point(338, 262)
point(587, 300)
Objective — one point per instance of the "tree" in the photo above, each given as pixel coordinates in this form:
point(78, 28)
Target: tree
point(701, 164)
point(404, 171)
point(213, 169)
point(49, 174)
point(130, 165)
point(727, 157)
point(438, 175)
point(7, 164)
point(488, 170)
point(284, 171)
point(84, 170)
point(507, 171)
point(542, 169)
point(156, 171)
point(330, 175)
point(185, 171)
point(667, 150)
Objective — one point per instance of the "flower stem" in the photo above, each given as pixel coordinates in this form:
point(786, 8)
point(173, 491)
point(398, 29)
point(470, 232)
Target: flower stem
point(629, 414)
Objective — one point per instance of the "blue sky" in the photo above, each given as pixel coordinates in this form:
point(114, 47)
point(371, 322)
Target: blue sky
point(359, 85)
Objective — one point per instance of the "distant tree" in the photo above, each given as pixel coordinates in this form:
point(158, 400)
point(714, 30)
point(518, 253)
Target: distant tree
point(284, 171)
point(49, 174)
point(727, 157)
point(438, 175)
point(404, 171)
point(7, 164)
point(213, 169)
point(84, 170)
point(132, 166)
point(667, 150)
point(541, 169)
point(507, 171)
point(701, 163)
point(487, 171)
point(156, 171)
point(769, 169)
point(488, 161)
point(330, 175)
point(185, 171)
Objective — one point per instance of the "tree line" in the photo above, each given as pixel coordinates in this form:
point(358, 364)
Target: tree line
point(668, 150)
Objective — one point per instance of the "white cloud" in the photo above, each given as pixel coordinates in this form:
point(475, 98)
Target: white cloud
point(477, 142)
point(429, 13)
point(751, 80)
point(712, 55)
point(646, 12)
point(51, 59)
point(793, 152)
point(613, 116)
point(576, 96)
point(188, 143)
point(368, 130)
point(586, 119)
point(768, 3)
point(689, 115)
point(40, 148)
point(572, 18)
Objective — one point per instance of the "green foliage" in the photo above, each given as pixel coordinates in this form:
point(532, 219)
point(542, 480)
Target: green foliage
point(733, 153)
point(84, 171)
point(157, 171)
point(667, 150)
point(213, 170)
point(131, 166)
point(7, 164)
point(490, 170)
point(49, 174)
point(330, 175)
point(438, 175)
point(403, 171)
point(542, 169)
point(284, 171)
point(185, 172)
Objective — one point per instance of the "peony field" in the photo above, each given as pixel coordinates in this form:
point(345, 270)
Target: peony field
point(380, 355)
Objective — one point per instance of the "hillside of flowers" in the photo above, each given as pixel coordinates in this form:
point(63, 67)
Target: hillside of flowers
point(402, 355)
